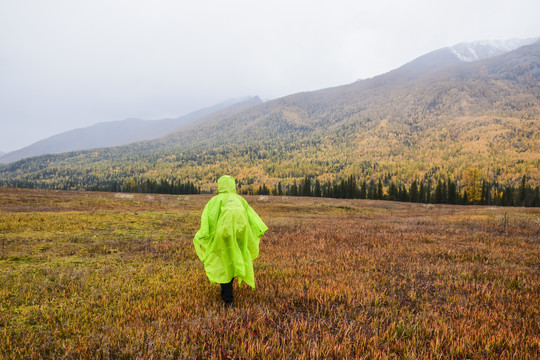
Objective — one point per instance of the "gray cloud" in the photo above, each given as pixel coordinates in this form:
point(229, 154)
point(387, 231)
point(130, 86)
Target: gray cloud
point(66, 63)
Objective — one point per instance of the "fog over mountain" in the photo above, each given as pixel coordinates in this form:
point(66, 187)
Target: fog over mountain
point(70, 64)
point(478, 50)
point(115, 133)
point(461, 53)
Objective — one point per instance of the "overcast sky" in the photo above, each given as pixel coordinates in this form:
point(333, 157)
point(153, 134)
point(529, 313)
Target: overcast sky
point(66, 64)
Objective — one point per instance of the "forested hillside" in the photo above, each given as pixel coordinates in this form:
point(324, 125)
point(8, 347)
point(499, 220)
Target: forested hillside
point(445, 123)
point(116, 133)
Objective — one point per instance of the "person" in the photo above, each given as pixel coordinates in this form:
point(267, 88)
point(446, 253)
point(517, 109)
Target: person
point(228, 240)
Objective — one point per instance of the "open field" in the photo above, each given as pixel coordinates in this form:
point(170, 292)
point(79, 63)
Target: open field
point(103, 275)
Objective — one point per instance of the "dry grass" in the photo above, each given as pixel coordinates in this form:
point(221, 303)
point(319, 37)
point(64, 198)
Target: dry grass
point(96, 275)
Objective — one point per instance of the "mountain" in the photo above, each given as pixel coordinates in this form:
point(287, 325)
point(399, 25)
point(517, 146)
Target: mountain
point(115, 133)
point(480, 50)
point(427, 120)
point(460, 53)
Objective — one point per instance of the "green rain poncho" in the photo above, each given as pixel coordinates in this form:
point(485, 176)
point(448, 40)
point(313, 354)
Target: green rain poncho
point(228, 240)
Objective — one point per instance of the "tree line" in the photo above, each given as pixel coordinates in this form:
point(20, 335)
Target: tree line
point(444, 191)
point(163, 186)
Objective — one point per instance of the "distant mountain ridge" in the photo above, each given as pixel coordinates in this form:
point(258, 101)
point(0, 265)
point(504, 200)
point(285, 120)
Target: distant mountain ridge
point(461, 53)
point(479, 50)
point(116, 133)
point(434, 118)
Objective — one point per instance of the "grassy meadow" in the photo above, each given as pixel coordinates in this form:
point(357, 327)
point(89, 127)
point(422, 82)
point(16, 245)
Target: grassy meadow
point(114, 276)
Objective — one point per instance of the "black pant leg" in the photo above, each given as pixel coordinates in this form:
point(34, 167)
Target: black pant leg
point(227, 292)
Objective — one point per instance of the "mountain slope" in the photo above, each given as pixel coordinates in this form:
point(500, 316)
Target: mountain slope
point(458, 54)
point(411, 123)
point(480, 50)
point(116, 133)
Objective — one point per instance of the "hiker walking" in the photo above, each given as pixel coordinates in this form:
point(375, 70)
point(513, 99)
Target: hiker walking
point(228, 240)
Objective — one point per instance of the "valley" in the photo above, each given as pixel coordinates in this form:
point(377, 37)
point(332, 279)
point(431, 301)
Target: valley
point(88, 274)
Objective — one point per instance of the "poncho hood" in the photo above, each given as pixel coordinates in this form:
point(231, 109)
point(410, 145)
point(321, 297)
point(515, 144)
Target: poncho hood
point(226, 184)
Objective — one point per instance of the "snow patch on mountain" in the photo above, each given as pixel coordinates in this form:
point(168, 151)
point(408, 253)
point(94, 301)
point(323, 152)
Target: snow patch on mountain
point(479, 50)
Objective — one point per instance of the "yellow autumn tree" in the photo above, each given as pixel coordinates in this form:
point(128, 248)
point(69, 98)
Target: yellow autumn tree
point(472, 184)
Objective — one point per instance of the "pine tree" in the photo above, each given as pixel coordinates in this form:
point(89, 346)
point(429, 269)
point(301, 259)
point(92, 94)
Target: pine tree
point(428, 192)
point(294, 189)
point(380, 190)
point(305, 186)
point(422, 193)
point(317, 190)
point(363, 190)
point(393, 192)
point(444, 193)
point(438, 193)
point(372, 191)
point(413, 192)
point(485, 192)
point(508, 196)
point(452, 192)
point(403, 196)
point(523, 191)
point(352, 188)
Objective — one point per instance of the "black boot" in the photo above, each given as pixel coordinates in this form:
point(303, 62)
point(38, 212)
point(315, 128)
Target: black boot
point(227, 293)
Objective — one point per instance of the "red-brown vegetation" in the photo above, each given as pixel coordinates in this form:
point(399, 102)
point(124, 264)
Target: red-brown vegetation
point(100, 275)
